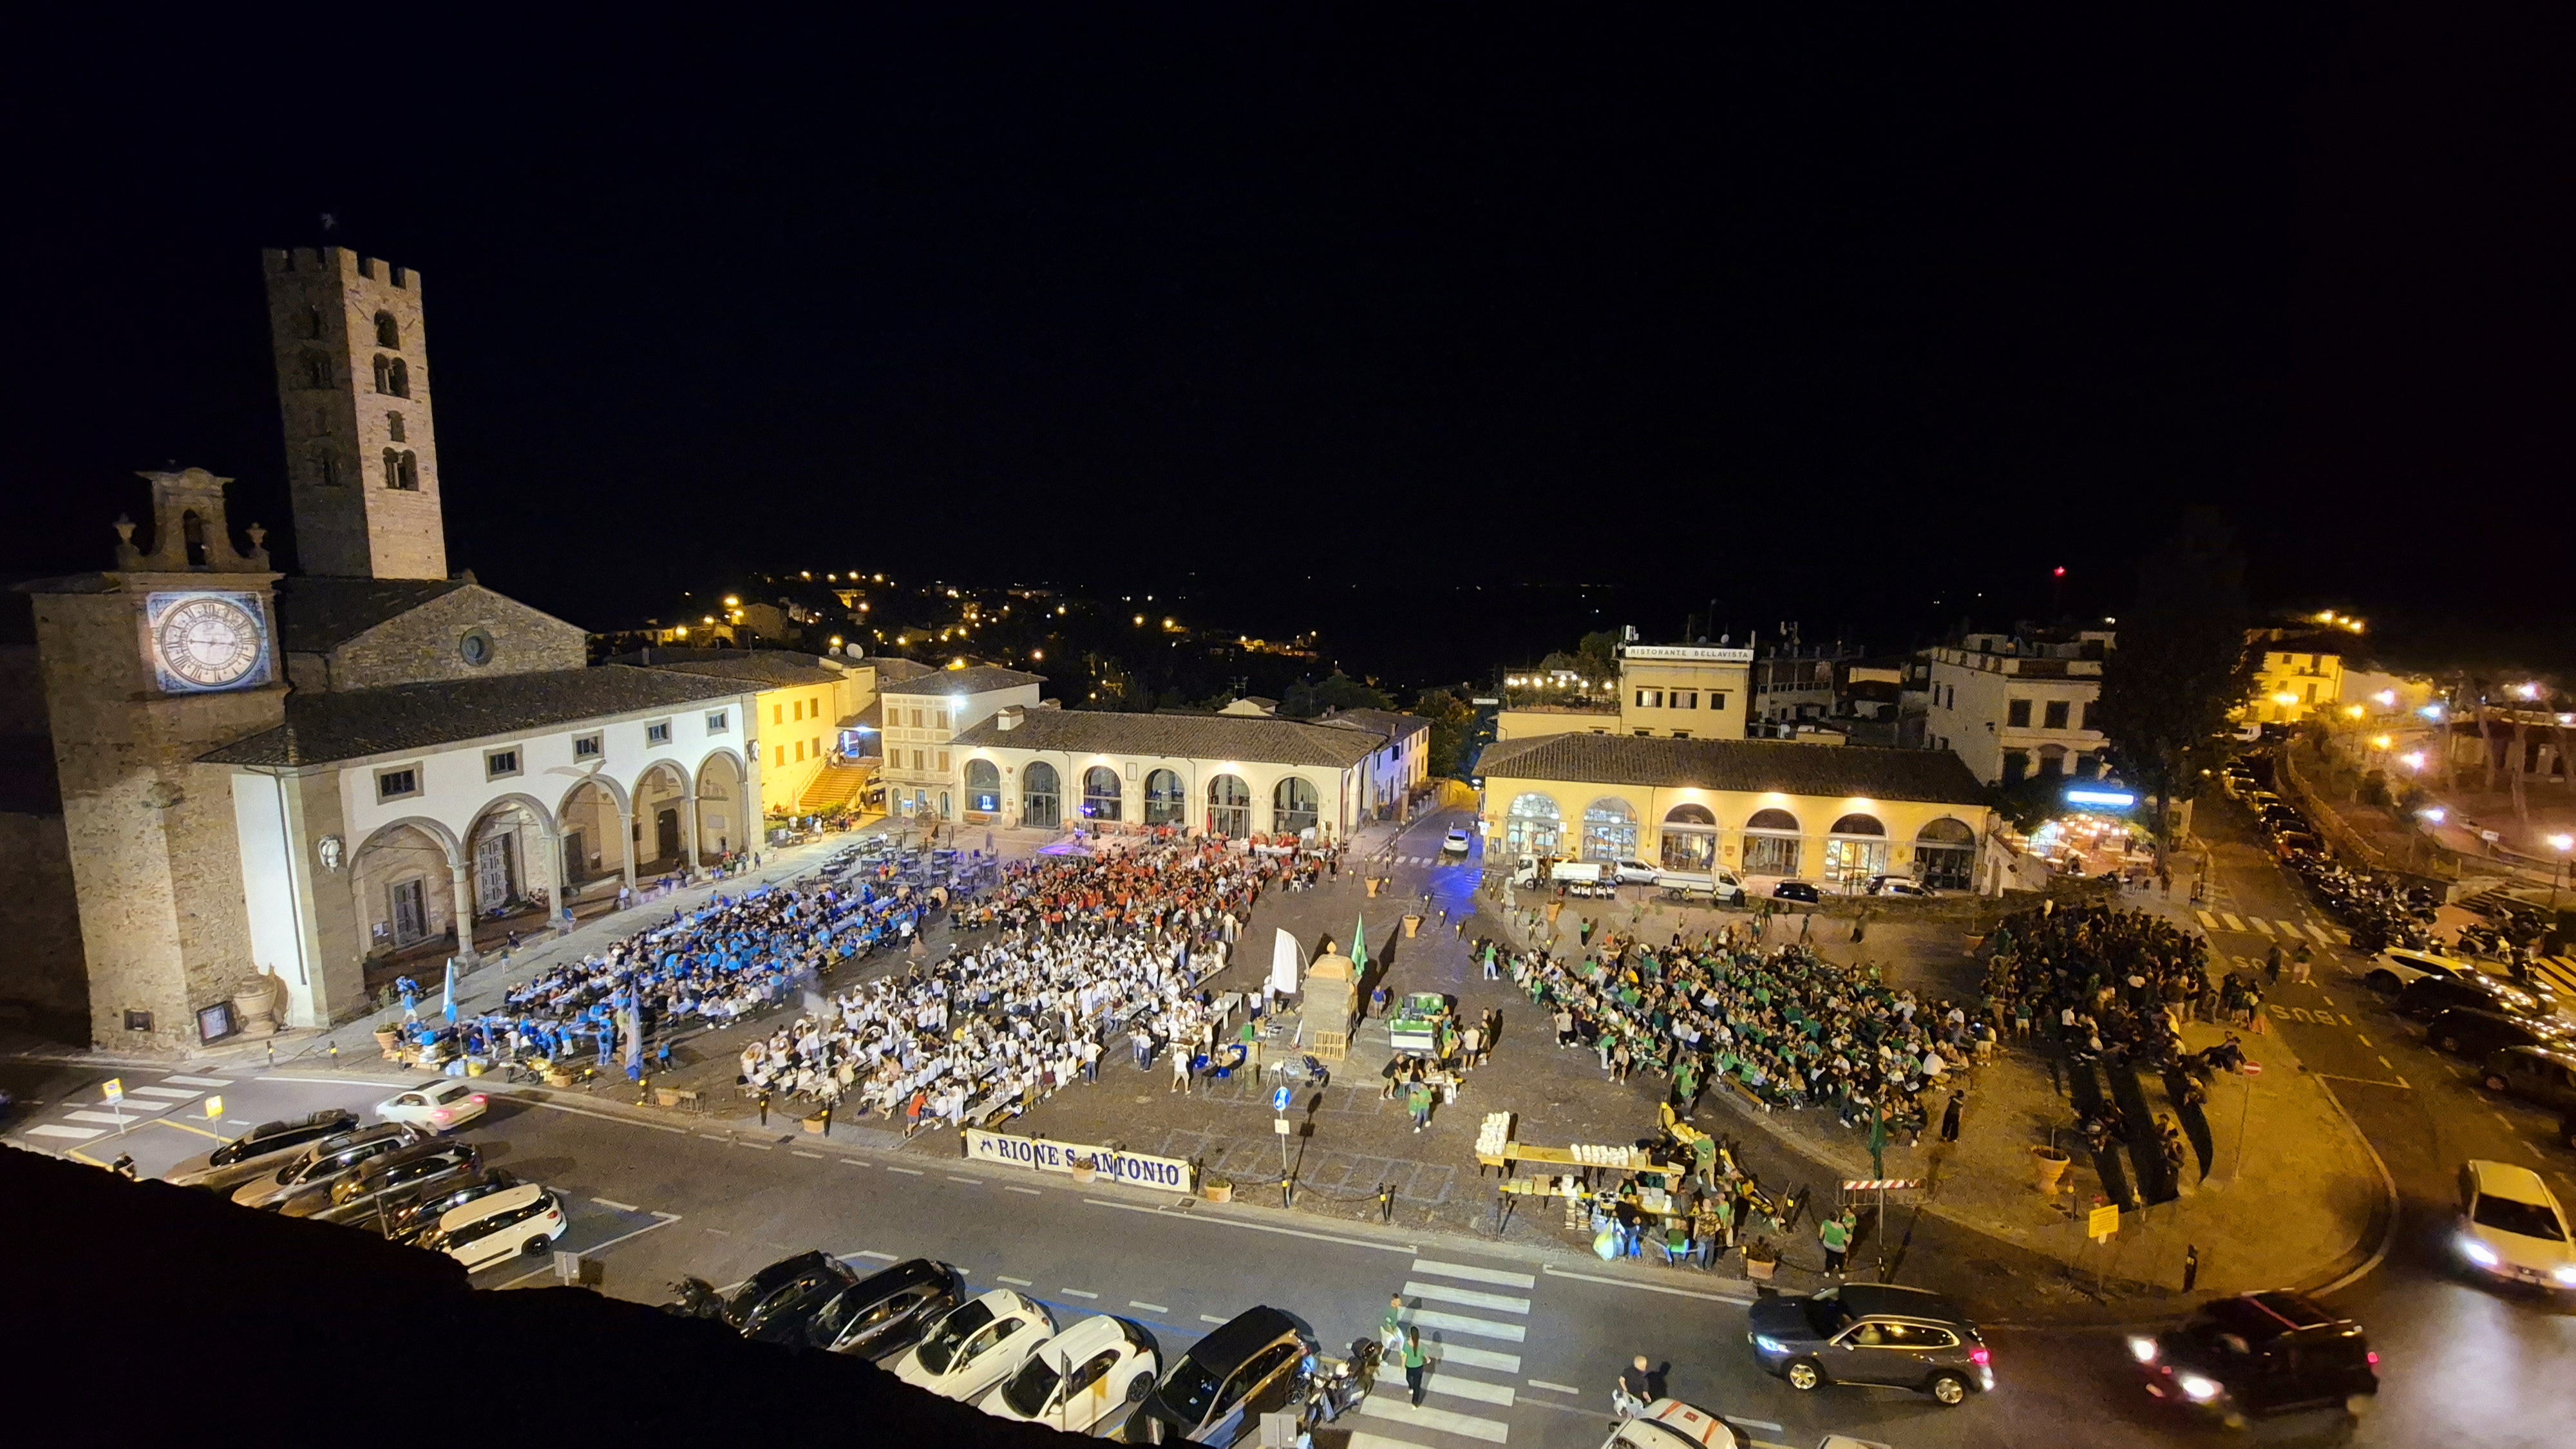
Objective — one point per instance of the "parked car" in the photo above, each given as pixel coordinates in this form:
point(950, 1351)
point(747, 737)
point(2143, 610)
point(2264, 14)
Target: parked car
point(260, 1149)
point(2392, 970)
point(1797, 890)
point(442, 1106)
point(2544, 1076)
point(2477, 1035)
point(775, 1304)
point(1634, 872)
point(324, 1162)
point(2511, 1228)
point(1455, 842)
point(2427, 997)
point(393, 1178)
point(526, 1219)
point(1672, 1424)
point(976, 1345)
point(2260, 1353)
point(1079, 1377)
point(1251, 1365)
point(1718, 885)
point(1871, 1333)
point(886, 1310)
point(1899, 885)
point(420, 1214)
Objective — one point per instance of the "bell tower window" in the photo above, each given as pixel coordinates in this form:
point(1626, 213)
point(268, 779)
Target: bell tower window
point(393, 426)
point(387, 333)
point(384, 375)
point(401, 378)
point(326, 468)
point(317, 370)
point(192, 534)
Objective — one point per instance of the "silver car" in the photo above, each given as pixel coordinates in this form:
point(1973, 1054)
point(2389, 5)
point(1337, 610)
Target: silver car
point(1872, 1333)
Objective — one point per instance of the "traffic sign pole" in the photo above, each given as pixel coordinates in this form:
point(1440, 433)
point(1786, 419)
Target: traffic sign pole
point(114, 1092)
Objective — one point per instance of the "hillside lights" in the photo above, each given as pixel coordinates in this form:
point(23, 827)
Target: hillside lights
point(2412, 759)
point(2285, 699)
point(2381, 742)
point(2352, 711)
point(2387, 698)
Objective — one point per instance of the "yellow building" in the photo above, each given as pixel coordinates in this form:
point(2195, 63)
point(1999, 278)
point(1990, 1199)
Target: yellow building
point(804, 701)
point(1665, 691)
point(1756, 807)
point(2294, 681)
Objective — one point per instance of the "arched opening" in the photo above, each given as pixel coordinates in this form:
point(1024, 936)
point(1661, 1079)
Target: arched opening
point(724, 820)
point(983, 788)
point(1102, 795)
point(1165, 802)
point(1609, 830)
point(664, 828)
point(593, 836)
point(192, 538)
point(1533, 826)
point(326, 468)
point(1294, 806)
point(1771, 843)
point(1041, 797)
point(1229, 807)
point(509, 857)
point(317, 370)
point(1855, 849)
point(1690, 839)
point(384, 375)
point(387, 333)
point(313, 320)
point(401, 378)
point(404, 885)
point(1945, 854)
point(407, 472)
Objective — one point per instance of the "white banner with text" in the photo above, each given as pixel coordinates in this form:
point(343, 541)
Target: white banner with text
point(1135, 1169)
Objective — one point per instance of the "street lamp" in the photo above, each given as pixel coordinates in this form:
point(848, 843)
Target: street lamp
point(2562, 844)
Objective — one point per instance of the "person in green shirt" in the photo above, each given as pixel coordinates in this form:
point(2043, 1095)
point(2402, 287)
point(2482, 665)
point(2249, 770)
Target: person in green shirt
point(1390, 1329)
point(1837, 1240)
point(1414, 1360)
point(1418, 1101)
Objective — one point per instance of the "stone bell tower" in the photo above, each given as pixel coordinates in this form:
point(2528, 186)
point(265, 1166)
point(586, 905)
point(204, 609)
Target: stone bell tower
point(353, 389)
point(146, 668)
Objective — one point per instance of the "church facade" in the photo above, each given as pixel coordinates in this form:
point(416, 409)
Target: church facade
point(320, 778)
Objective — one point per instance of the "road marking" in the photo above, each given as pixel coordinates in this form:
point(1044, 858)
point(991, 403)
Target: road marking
point(1362, 1439)
point(579, 1112)
point(2208, 922)
point(2260, 925)
point(1079, 1293)
point(1466, 1298)
point(1555, 1272)
point(2233, 924)
point(1212, 1318)
point(111, 1119)
point(1408, 1249)
point(1460, 1323)
point(906, 1171)
point(184, 1127)
point(1483, 1358)
point(624, 1207)
point(378, 1085)
point(801, 1152)
point(173, 1094)
point(77, 1134)
point(1476, 1389)
point(1492, 1431)
point(1148, 1307)
point(662, 1220)
point(852, 1162)
point(1474, 1275)
point(1763, 1424)
point(873, 1253)
point(756, 1146)
point(1024, 1191)
point(2357, 1036)
point(196, 1081)
point(1014, 1282)
point(2290, 929)
point(1556, 1388)
point(969, 1181)
point(2385, 1062)
point(2323, 936)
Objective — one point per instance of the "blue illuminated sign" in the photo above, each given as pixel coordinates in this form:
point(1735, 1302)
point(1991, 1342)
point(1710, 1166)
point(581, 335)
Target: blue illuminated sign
point(2100, 799)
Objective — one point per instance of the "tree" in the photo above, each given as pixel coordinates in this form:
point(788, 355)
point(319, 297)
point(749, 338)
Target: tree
point(1453, 720)
point(2181, 662)
point(1599, 656)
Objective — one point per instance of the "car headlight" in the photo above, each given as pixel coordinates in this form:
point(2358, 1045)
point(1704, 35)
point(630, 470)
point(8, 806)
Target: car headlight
point(1769, 1345)
point(2142, 1348)
point(2199, 1390)
point(2566, 1276)
point(2478, 1253)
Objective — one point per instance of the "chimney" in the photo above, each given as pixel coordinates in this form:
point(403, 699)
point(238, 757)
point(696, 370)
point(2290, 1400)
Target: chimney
point(1010, 717)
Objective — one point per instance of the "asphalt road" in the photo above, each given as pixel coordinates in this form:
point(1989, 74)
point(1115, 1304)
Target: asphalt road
point(1525, 1342)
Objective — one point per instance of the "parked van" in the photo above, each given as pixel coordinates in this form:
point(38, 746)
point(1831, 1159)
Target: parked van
point(1719, 885)
point(1583, 872)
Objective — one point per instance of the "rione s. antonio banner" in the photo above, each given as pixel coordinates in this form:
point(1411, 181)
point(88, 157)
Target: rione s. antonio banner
point(1135, 1169)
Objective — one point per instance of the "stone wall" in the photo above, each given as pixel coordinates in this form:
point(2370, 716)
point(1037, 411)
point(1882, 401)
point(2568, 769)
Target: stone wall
point(429, 643)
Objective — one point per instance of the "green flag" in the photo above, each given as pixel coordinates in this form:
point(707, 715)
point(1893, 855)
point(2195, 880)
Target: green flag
point(1359, 943)
point(1877, 1144)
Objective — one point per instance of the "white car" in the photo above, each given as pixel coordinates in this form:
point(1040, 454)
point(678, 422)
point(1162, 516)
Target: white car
point(2512, 1228)
point(1079, 1377)
point(2392, 970)
point(442, 1106)
point(1672, 1424)
point(523, 1219)
point(1455, 842)
point(1635, 872)
point(976, 1345)
point(1898, 885)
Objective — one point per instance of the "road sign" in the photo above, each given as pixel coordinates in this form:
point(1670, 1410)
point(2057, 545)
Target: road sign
point(2253, 1069)
point(113, 1091)
point(1279, 1098)
point(1282, 1126)
point(2104, 1222)
point(215, 1110)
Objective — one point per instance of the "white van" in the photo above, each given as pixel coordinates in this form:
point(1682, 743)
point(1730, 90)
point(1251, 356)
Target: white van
point(1717, 885)
point(1582, 872)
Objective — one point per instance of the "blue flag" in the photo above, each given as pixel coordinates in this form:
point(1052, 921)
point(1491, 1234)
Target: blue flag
point(450, 992)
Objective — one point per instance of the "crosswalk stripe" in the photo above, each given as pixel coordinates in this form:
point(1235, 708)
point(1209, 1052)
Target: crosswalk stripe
point(1457, 1387)
point(172, 1094)
point(1461, 1323)
point(1483, 1358)
point(1362, 1439)
point(2260, 924)
point(1466, 1426)
point(109, 1118)
point(1475, 1275)
point(77, 1134)
point(2343, 937)
point(2324, 937)
point(2290, 929)
point(1466, 1298)
point(197, 1081)
point(2208, 922)
point(2233, 924)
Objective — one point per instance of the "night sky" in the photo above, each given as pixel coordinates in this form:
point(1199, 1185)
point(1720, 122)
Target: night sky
point(1868, 323)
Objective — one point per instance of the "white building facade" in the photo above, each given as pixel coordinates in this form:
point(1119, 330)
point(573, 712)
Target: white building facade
point(2014, 710)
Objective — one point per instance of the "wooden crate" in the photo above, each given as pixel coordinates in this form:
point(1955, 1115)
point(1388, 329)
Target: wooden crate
point(1332, 1046)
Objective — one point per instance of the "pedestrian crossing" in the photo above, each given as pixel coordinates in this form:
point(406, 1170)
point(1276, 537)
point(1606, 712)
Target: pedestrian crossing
point(1464, 1380)
point(1426, 860)
point(2257, 926)
point(92, 1116)
point(2559, 972)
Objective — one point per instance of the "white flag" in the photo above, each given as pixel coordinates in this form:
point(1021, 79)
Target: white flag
point(1285, 960)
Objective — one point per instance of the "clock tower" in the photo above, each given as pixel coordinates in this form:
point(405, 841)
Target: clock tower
point(147, 667)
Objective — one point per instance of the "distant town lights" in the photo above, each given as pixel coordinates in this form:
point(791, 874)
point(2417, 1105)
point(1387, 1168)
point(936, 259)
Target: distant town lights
point(2431, 711)
point(2387, 698)
point(2527, 691)
point(2352, 710)
point(2381, 742)
point(2562, 843)
point(2432, 815)
point(2285, 698)
point(731, 602)
point(2412, 759)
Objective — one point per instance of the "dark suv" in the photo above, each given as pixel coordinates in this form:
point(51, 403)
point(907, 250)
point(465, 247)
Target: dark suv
point(2426, 997)
point(1872, 1333)
point(1217, 1393)
point(2260, 1353)
point(2478, 1035)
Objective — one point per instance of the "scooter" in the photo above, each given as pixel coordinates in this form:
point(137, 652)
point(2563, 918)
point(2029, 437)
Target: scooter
point(1343, 1383)
point(696, 1299)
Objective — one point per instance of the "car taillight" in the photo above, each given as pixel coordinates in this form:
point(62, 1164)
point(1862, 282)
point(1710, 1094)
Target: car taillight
point(2373, 1356)
point(440, 1115)
point(477, 1099)
point(1978, 1356)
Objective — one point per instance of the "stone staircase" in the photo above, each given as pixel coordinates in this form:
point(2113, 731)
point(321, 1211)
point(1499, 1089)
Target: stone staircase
point(832, 785)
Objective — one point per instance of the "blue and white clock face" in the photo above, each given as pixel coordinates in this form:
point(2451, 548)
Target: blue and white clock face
point(208, 641)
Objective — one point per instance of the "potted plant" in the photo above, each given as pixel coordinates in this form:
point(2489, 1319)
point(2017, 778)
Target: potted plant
point(1761, 1260)
point(1085, 1170)
point(2051, 1166)
point(1217, 1189)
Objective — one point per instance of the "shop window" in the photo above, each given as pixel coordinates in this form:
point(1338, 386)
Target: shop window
point(2017, 713)
point(2053, 715)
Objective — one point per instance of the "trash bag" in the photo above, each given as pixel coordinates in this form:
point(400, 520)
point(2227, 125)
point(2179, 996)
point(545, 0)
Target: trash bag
point(1606, 1246)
